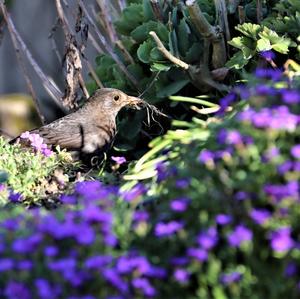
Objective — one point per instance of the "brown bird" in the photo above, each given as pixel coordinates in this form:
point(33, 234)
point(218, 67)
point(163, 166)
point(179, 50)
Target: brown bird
point(91, 127)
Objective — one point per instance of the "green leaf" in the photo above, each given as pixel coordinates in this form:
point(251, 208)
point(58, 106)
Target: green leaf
point(279, 44)
point(132, 17)
point(141, 33)
point(172, 88)
point(144, 50)
point(263, 45)
point(249, 29)
point(183, 33)
point(159, 67)
point(147, 10)
point(237, 61)
point(193, 101)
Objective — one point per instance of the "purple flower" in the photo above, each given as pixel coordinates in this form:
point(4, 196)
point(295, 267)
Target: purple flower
point(134, 193)
point(167, 229)
point(278, 118)
point(230, 278)
point(68, 199)
point(295, 151)
point(6, 264)
point(91, 190)
point(285, 167)
point(272, 153)
point(98, 261)
point(260, 216)
point(206, 156)
point(223, 219)
point(199, 254)
point(239, 235)
point(179, 261)
point(44, 289)
point(2, 187)
point(181, 275)
point(118, 160)
point(144, 285)
point(226, 102)
point(179, 204)
point(37, 142)
point(281, 239)
point(241, 196)
point(290, 96)
point(291, 269)
point(115, 280)
point(140, 216)
point(182, 183)
point(16, 290)
point(234, 137)
point(15, 197)
point(208, 239)
point(268, 55)
point(50, 251)
point(279, 192)
point(92, 213)
point(268, 73)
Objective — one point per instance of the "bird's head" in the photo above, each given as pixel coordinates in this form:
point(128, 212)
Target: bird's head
point(113, 100)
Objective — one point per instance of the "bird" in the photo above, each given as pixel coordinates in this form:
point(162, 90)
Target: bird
point(91, 127)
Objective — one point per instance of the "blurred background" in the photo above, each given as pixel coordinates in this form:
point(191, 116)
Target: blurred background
point(34, 21)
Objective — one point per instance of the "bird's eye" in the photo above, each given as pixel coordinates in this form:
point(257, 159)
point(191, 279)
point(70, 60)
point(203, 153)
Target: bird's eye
point(116, 98)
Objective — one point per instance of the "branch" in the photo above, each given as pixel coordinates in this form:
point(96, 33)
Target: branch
point(157, 10)
point(200, 22)
point(108, 24)
point(259, 14)
point(242, 15)
point(200, 76)
point(108, 47)
point(166, 53)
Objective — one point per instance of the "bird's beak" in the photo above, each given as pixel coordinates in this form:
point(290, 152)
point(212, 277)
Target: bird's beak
point(135, 103)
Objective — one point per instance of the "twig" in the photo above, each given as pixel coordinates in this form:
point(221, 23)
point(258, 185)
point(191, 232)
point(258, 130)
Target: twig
point(63, 20)
point(200, 22)
point(242, 15)
point(21, 62)
point(94, 74)
point(108, 47)
point(53, 42)
point(2, 24)
point(124, 51)
point(108, 24)
point(259, 11)
point(200, 76)
point(209, 32)
point(166, 53)
point(157, 10)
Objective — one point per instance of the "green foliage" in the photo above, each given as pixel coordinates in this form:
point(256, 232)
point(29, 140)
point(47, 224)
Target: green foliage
point(256, 39)
point(159, 78)
point(28, 173)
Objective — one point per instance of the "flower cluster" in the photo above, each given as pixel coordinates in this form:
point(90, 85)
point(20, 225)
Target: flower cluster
point(224, 219)
point(37, 143)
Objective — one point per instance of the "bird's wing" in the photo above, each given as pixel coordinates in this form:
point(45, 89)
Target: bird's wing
point(64, 132)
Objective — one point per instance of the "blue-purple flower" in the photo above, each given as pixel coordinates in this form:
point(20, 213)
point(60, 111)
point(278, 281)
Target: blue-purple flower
point(281, 239)
point(164, 229)
point(239, 235)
